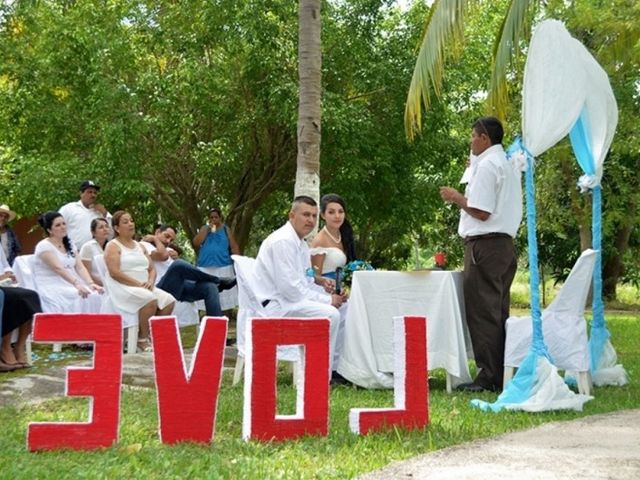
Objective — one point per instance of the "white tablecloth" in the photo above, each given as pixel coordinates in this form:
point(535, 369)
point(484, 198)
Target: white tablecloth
point(376, 297)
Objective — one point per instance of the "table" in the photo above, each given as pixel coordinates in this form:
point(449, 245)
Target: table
point(376, 297)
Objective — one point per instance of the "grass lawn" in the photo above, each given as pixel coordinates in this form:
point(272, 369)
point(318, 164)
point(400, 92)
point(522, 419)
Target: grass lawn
point(139, 453)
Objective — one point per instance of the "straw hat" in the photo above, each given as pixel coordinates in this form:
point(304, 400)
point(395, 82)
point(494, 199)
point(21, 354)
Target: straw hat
point(5, 209)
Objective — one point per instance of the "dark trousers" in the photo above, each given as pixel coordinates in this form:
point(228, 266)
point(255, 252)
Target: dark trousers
point(188, 284)
point(17, 306)
point(489, 267)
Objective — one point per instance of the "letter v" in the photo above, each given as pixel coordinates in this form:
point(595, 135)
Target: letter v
point(187, 401)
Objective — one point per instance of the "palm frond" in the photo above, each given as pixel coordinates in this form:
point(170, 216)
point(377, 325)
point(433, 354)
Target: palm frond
point(512, 29)
point(444, 24)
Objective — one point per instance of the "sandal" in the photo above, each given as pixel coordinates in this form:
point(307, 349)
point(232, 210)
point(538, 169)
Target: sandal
point(7, 367)
point(144, 346)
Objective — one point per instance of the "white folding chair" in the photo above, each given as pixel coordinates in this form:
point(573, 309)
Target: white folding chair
point(23, 270)
point(129, 320)
point(250, 307)
point(563, 326)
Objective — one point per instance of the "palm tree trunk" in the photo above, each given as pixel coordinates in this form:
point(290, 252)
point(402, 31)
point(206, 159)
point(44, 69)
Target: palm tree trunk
point(309, 108)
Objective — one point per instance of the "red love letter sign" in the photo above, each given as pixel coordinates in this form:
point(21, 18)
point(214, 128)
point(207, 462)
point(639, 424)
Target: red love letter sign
point(101, 382)
point(263, 335)
point(187, 401)
point(411, 390)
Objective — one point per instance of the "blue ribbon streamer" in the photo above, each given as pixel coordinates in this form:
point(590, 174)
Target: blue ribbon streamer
point(519, 388)
point(580, 136)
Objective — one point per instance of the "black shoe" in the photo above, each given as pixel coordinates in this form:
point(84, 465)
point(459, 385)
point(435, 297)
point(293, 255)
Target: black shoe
point(474, 388)
point(226, 284)
point(337, 379)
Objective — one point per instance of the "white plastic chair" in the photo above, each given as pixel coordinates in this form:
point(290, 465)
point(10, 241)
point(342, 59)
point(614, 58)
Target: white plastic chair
point(23, 270)
point(563, 326)
point(250, 307)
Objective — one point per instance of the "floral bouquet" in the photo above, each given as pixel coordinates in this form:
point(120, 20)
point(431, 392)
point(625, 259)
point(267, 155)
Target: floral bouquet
point(353, 266)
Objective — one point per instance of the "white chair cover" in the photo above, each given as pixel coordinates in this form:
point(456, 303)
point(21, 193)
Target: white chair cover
point(250, 307)
point(23, 270)
point(563, 324)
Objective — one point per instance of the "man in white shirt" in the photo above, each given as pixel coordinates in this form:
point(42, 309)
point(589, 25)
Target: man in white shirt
point(282, 284)
point(78, 215)
point(490, 213)
point(181, 279)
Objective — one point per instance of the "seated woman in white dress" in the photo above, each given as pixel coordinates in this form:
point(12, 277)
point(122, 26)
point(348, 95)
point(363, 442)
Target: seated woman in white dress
point(100, 232)
point(62, 281)
point(333, 246)
point(131, 278)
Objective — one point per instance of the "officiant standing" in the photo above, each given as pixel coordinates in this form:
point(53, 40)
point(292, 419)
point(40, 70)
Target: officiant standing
point(490, 214)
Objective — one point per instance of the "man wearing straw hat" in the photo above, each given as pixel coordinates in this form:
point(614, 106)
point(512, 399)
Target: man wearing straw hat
point(8, 237)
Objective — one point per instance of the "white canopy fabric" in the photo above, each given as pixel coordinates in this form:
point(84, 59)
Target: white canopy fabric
point(554, 89)
point(562, 81)
point(599, 113)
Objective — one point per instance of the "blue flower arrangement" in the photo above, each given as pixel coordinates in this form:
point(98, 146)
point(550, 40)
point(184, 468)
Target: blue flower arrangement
point(353, 266)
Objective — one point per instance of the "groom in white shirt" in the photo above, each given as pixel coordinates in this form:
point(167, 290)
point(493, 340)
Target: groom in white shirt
point(282, 284)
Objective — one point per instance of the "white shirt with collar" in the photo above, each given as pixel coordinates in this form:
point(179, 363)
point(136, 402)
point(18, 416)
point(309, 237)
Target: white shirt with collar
point(494, 187)
point(78, 219)
point(280, 271)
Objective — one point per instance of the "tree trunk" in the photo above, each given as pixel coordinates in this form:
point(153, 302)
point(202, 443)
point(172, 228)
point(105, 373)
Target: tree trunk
point(309, 108)
point(585, 236)
point(613, 267)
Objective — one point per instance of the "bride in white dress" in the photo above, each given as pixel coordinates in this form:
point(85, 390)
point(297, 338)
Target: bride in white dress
point(333, 246)
point(63, 282)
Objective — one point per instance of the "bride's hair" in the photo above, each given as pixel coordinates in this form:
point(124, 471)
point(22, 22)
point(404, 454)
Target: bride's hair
point(46, 222)
point(346, 231)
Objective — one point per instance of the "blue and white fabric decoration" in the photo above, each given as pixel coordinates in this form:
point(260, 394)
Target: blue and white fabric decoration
point(591, 137)
point(564, 90)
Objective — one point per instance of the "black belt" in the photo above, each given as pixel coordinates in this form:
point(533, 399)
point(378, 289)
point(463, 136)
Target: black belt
point(486, 235)
point(265, 302)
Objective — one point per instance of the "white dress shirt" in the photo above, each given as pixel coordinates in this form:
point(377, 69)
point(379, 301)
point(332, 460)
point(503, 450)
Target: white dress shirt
point(494, 187)
point(78, 219)
point(280, 271)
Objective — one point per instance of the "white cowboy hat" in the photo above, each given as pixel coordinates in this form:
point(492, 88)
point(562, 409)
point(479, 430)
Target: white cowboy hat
point(5, 209)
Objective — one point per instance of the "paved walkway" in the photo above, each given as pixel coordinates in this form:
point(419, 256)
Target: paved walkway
point(598, 447)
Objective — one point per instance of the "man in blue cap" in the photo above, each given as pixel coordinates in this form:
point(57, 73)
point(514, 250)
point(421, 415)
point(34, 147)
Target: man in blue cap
point(78, 215)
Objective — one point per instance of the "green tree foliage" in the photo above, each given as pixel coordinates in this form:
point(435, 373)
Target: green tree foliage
point(614, 39)
point(174, 106)
point(177, 106)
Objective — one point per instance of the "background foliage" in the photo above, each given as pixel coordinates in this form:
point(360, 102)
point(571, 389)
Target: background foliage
point(177, 106)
